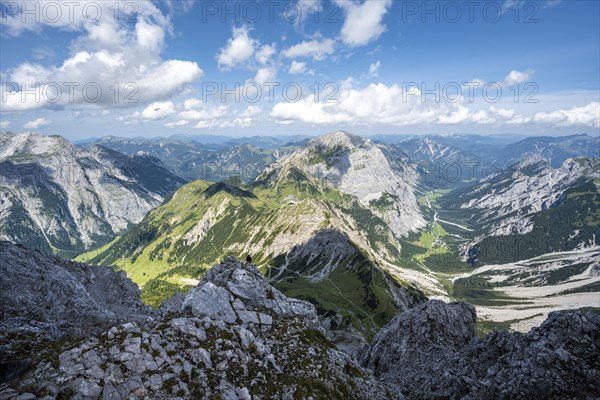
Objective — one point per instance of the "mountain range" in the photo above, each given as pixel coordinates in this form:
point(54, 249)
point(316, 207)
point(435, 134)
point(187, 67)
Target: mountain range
point(361, 229)
point(57, 197)
point(311, 237)
point(214, 160)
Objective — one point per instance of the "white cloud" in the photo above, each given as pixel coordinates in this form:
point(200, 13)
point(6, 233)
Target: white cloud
point(155, 111)
point(588, 115)
point(4, 124)
point(363, 22)
point(204, 114)
point(317, 49)
point(455, 117)
point(240, 47)
point(251, 111)
point(376, 104)
point(515, 77)
point(491, 116)
point(264, 75)
point(106, 52)
point(265, 53)
point(374, 68)
point(178, 124)
point(379, 104)
point(37, 123)
point(308, 111)
point(201, 115)
point(158, 110)
point(297, 67)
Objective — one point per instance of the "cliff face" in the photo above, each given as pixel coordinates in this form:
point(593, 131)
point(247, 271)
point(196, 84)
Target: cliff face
point(49, 298)
point(60, 198)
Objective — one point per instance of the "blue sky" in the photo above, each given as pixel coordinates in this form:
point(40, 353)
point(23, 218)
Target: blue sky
point(89, 68)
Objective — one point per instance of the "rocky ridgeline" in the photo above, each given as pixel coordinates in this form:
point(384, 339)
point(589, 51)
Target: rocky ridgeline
point(431, 352)
point(235, 336)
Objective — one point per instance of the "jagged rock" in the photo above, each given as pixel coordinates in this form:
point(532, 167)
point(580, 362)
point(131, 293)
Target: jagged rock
point(432, 352)
point(233, 291)
point(50, 297)
point(209, 300)
point(173, 304)
point(274, 348)
point(201, 352)
point(416, 342)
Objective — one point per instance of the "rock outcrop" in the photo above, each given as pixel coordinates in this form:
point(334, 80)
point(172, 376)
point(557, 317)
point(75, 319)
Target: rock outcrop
point(432, 352)
point(45, 297)
point(237, 292)
point(233, 337)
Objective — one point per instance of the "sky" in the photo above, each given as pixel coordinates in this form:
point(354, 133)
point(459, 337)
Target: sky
point(86, 69)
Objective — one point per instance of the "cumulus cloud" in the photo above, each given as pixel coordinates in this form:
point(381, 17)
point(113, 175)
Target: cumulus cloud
point(376, 104)
point(205, 113)
point(379, 104)
point(240, 47)
point(317, 49)
point(251, 111)
point(588, 115)
point(37, 123)
point(154, 111)
point(374, 68)
point(264, 75)
point(200, 115)
point(265, 53)
point(363, 22)
point(108, 51)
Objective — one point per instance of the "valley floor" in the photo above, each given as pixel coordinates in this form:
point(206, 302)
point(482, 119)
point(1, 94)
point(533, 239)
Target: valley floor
point(531, 289)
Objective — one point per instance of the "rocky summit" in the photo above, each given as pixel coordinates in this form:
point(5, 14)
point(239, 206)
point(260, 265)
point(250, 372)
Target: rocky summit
point(234, 336)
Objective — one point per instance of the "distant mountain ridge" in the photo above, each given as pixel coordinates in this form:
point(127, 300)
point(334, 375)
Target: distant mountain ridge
point(555, 149)
point(207, 158)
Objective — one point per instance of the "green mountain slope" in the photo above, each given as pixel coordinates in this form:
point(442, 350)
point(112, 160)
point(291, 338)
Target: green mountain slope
point(312, 241)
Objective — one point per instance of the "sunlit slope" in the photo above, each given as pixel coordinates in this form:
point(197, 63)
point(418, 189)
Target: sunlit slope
point(278, 223)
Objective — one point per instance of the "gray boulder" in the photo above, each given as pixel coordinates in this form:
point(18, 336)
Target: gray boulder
point(233, 291)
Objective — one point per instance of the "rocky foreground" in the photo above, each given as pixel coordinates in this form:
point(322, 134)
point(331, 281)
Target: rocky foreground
point(69, 330)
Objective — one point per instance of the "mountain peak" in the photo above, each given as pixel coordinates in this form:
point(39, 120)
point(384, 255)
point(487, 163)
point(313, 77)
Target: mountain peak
point(340, 138)
point(224, 187)
point(532, 159)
